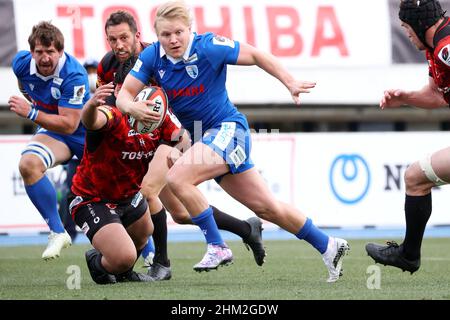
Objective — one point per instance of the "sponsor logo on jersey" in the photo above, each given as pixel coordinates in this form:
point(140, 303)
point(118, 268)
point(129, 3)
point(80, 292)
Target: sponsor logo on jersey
point(31, 86)
point(111, 205)
point(191, 59)
point(192, 71)
point(57, 81)
point(185, 92)
point(225, 134)
point(133, 133)
point(238, 156)
point(222, 41)
point(85, 228)
point(137, 199)
point(137, 65)
point(137, 155)
point(56, 94)
point(161, 73)
point(75, 202)
point(444, 55)
point(78, 94)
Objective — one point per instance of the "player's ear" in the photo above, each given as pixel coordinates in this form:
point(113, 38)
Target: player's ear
point(138, 35)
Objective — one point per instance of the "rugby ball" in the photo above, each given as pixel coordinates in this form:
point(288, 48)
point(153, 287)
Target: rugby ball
point(159, 97)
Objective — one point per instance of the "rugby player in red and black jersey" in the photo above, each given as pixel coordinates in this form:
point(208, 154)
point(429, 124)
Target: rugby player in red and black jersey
point(124, 39)
point(428, 28)
point(107, 204)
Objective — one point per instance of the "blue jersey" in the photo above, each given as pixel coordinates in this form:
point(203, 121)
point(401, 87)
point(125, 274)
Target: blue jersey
point(195, 85)
point(68, 87)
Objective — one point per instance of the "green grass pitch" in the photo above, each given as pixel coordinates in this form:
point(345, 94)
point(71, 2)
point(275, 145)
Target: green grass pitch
point(293, 271)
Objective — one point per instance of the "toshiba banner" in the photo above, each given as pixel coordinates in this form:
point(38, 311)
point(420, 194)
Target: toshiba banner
point(339, 179)
point(352, 49)
point(303, 33)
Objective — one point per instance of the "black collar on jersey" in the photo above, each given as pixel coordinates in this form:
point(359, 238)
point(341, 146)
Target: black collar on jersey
point(420, 15)
point(442, 31)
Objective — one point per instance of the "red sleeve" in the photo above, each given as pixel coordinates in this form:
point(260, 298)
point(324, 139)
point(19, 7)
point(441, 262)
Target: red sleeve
point(170, 129)
point(113, 117)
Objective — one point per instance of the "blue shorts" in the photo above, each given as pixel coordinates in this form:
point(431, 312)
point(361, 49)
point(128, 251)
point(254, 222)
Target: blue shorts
point(75, 142)
point(232, 141)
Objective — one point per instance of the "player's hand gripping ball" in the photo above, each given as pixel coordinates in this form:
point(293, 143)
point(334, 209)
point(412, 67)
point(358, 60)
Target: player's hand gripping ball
point(159, 97)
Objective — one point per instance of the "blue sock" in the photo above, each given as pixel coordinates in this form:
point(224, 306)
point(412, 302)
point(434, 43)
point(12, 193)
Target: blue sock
point(314, 236)
point(208, 226)
point(43, 196)
point(149, 247)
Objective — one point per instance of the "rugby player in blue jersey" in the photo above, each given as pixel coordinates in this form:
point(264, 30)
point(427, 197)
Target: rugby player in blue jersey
point(125, 41)
point(192, 70)
point(56, 87)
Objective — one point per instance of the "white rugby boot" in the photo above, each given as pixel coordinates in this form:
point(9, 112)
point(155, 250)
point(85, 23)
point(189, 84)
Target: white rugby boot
point(336, 250)
point(56, 242)
point(214, 257)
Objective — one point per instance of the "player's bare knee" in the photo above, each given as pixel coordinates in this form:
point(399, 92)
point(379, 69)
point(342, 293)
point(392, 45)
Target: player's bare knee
point(152, 199)
point(418, 178)
point(173, 180)
point(30, 166)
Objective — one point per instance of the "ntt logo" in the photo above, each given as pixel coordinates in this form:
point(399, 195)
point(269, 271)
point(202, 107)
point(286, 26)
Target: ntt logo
point(349, 178)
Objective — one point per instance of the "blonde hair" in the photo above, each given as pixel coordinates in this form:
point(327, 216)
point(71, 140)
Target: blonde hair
point(174, 10)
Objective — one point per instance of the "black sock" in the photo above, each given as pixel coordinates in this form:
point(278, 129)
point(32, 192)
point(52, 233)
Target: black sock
point(160, 237)
point(229, 223)
point(417, 213)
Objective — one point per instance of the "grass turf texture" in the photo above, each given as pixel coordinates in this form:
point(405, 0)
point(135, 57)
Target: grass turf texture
point(293, 270)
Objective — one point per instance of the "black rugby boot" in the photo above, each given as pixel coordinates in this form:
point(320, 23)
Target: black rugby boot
point(133, 276)
point(97, 274)
point(392, 255)
point(254, 240)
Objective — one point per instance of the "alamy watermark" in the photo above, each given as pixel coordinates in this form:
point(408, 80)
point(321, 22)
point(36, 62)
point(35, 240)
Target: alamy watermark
point(374, 279)
point(231, 139)
point(73, 281)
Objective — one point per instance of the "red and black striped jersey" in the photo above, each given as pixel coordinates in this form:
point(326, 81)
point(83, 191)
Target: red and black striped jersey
point(439, 59)
point(108, 66)
point(116, 157)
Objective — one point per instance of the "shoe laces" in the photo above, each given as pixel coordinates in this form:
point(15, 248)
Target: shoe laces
point(391, 246)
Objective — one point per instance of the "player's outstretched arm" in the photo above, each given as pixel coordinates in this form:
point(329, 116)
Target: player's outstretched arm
point(249, 55)
point(91, 118)
point(429, 97)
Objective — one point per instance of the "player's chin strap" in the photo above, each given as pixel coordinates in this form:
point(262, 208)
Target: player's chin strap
point(42, 152)
point(425, 165)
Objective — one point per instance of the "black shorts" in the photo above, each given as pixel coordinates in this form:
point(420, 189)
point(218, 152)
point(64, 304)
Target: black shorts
point(91, 214)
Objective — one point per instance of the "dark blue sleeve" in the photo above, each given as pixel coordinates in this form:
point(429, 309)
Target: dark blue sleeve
point(220, 50)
